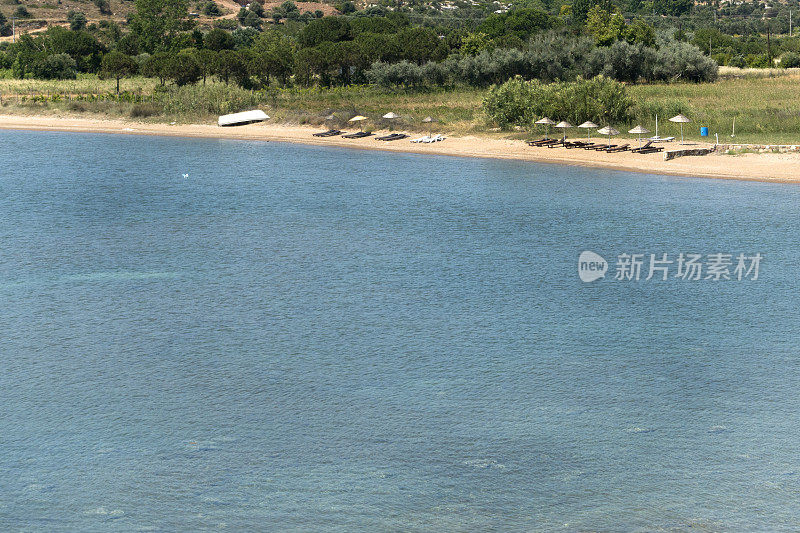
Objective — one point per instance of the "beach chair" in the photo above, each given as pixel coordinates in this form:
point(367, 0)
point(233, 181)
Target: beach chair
point(578, 144)
point(601, 147)
point(435, 138)
point(541, 142)
point(420, 139)
point(357, 135)
point(623, 148)
point(548, 142)
point(645, 146)
point(326, 133)
point(393, 137)
point(659, 139)
point(651, 150)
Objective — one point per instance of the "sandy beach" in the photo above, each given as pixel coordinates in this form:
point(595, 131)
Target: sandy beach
point(770, 167)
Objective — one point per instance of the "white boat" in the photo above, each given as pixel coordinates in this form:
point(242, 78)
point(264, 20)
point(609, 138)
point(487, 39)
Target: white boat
point(240, 119)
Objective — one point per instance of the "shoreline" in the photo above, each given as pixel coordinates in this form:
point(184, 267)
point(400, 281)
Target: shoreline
point(769, 167)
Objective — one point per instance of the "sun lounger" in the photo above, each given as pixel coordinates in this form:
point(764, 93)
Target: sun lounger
point(420, 139)
point(622, 148)
point(387, 137)
point(651, 150)
point(601, 147)
point(542, 142)
point(551, 142)
point(645, 146)
point(326, 133)
point(658, 139)
point(393, 137)
point(537, 141)
point(579, 144)
point(560, 142)
point(357, 135)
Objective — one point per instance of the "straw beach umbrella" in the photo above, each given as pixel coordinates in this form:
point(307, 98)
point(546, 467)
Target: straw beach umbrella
point(680, 119)
point(546, 122)
point(391, 117)
point(588, 126)
point(564, 125)
point(608, 130)
point(359, 119)
point(639, 130)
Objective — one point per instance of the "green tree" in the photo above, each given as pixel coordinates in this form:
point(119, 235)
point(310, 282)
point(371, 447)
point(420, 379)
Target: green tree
point(77, 20)
point(84, 48)
point(229, 65)
point(606, 28)
point(118, 65)
point(55, 67)
point(183, 68)
point(640, 32)
point(307, 62)
point(22, 13)
point(330, 29)
point(676, 8)
point(5, 27)
point(156, 22)
point(420, 44)
point(103, 6)
point(207, 59)
point(211, 9)
point(476, 42)
point(273, 55)
point(155, 66)
point(580, 8)
point(218, 39)
point(379, 47)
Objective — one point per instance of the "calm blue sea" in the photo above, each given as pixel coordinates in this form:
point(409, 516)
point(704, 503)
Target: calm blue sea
point(225, 335)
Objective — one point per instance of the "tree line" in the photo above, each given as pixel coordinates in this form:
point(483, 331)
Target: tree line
point(374, 45)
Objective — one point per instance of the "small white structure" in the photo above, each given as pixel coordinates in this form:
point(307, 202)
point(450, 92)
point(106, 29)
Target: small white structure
point(240, 119)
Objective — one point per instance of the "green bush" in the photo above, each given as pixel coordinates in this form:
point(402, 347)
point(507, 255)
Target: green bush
point(520, 103)
point(737, 62)
point(55, 67)
point(211, 9)
point(757, 61)
point(790, 60)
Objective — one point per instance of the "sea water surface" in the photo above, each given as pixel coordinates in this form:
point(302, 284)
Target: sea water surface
point(224, 335)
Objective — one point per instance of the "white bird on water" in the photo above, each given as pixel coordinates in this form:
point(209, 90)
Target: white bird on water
point(185, 176)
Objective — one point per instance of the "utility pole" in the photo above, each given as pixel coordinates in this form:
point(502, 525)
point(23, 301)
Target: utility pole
point(769, 49)
point(790, 23)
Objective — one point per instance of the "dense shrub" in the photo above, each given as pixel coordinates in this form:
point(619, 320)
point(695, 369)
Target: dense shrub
point(678, 61)
point(558, 59)
point(622, 61)
point(55, 67)
point(738, 62)
point(757, 61)
point(790, 60)
point(520, 103)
